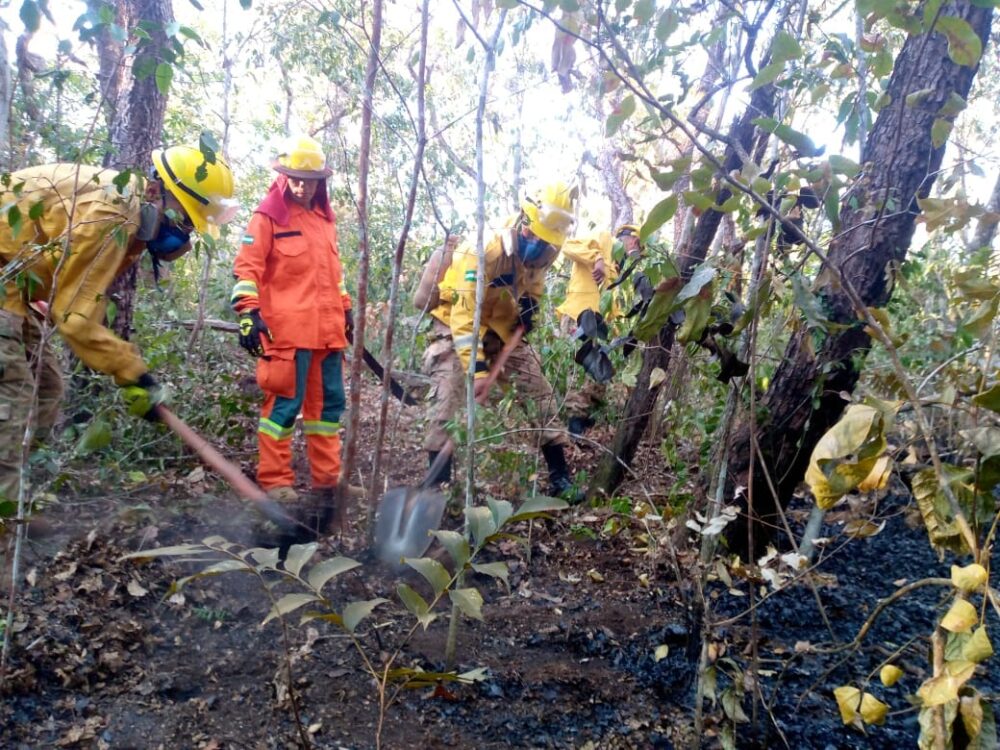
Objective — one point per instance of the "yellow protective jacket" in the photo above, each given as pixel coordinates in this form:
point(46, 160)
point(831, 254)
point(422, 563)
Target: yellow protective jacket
point(507, 280)
point(582, 292)
point(79, 209)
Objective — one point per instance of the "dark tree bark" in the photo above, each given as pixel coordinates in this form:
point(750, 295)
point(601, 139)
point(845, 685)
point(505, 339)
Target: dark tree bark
point(877, 223)
point(136, 122)
point(611, 470)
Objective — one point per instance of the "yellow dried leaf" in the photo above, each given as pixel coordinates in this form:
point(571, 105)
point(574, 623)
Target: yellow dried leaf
point(978, 648)
point(657, 376)
point(944, 688)
point(969, 578)
point(846, 454)
point(878, 477)
point(960, 618)
point(890, 674)
point(848, 701)
point(661, 652)
point(873, 710)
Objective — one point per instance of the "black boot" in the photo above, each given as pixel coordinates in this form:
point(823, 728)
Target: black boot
point(579, 425)
point(443, 474)
point(560, 484)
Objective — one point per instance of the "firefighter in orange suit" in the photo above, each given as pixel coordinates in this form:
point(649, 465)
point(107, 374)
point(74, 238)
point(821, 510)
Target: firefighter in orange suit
point(295, 317)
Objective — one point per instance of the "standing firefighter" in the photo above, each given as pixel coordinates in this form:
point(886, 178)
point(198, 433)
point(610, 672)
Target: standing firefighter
point(516, 262)
point(295, 317)
point(595, 266)
point(79, 228)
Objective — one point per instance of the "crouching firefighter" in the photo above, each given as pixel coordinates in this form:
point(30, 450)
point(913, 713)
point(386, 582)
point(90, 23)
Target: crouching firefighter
point(81, 228)
point(516, 263)
point(295, 317)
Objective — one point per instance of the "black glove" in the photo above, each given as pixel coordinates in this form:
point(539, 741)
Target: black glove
point(251, 328)
point(529, 307)
point(349, 323)
point(142, 396)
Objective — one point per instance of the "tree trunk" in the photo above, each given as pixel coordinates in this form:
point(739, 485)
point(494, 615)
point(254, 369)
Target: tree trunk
point(5, 99)
point(361, 301)
point(900, 165)
point(136, 123)
point(611, 470)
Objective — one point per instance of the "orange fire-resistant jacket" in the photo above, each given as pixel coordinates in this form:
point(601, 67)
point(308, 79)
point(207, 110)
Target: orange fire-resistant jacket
point(65, 207)
point(292, 274)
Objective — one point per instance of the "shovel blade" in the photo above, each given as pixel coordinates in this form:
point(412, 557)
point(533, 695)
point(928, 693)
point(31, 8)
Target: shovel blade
point(403, 523)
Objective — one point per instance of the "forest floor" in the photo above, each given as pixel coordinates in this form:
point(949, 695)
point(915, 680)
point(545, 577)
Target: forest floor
point(574, 651)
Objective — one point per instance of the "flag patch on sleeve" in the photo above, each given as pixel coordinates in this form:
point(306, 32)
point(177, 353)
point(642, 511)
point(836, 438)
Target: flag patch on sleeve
point(470, 275)
point(247, 239)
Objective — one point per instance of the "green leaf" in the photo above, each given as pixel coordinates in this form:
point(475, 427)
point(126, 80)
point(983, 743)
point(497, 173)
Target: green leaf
point(989, 399)
point(164, 75)
point(143, 68)
point(36, 211)
point(696, 315)
point(665, 180)
point(643, 11)
point(177, 550)
point(940, 130)
point(355, 612)
point(470, 601)
point(843, 165)
point(432, 570)
point(794, 138)
point(321, 573)
point(621, 113)
point(30, 16)
point(952, 106)
point(767, 74)
point(481, 523)
point(785, 47)
point(298, 555)
point(15, 220)
point(537, 506)
point(288, 603)
point(662, 213)
point(245, 4)
point(501, 511)
point(494, 570)
point(667, 24)
point(698, 281)
point(94, 438)
point(664, 302)
point(964, 45)
point(457, 546)
point(698, 200)
point(415, 604)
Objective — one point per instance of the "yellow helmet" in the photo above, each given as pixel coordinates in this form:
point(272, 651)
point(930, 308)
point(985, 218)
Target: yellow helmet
point(207, 201)
point(301, 156)
point(551, 215)
point(627, 229)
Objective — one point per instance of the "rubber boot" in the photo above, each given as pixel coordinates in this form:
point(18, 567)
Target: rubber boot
point(560, 484)
point(577, 426)
point(443, 475)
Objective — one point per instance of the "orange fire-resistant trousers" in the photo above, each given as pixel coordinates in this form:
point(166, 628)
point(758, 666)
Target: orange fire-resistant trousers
point(310, 381)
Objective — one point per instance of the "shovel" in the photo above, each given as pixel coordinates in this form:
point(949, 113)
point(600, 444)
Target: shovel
point(291, 530)
point(406, 516)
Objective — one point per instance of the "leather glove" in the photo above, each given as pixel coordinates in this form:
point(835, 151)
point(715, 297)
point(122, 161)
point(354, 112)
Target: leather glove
point(349, 323)
point(141, 396)
point(525, 317)
point(251, 328)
